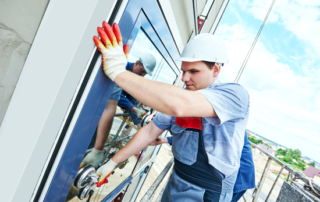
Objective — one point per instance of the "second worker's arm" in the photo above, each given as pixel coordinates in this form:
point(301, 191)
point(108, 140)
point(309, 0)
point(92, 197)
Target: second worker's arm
point(140, 140)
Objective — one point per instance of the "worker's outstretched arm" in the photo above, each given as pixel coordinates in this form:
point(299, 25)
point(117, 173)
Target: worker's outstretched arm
point(140, 140)
point(165, 98)
point(162, 97)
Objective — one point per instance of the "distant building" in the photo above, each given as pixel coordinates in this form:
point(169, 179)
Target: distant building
point(308, 161)
point(312, 172)
point(280, 156)
point(267, 149)
point(294, 161)
point(249, 134)
point(316, 179)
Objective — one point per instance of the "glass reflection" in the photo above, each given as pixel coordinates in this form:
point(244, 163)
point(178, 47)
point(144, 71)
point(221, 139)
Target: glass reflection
point(119, 122)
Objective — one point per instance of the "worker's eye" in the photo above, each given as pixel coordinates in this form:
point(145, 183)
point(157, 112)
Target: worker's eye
point(194, 71)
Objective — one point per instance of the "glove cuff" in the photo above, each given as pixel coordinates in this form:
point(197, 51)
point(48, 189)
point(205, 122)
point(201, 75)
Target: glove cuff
point(116, 73)
point(96, 152)
point(112, 164)
point(112, 75)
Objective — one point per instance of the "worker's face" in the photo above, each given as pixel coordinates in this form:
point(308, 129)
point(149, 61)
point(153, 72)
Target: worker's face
point(138, 69)
point(197, 75)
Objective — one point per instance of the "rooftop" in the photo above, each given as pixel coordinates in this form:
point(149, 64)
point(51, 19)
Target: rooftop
point(311, 171)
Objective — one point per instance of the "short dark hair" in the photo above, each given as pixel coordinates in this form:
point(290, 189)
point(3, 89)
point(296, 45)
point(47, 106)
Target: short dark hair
point(210, 64)
point(139, 63)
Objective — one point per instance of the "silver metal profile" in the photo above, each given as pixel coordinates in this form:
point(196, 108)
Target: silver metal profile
point(219, 16)
point(195, 17)
point(149, 194)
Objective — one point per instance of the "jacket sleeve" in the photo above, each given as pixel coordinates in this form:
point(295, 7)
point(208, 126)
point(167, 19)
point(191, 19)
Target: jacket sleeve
point(124, 103)
point(170, 140)
point(230, 102)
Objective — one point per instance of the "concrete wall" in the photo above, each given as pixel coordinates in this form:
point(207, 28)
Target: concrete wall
point(19, 22)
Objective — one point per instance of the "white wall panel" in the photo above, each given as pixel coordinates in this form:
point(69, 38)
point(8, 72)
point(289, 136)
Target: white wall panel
point(56, 61)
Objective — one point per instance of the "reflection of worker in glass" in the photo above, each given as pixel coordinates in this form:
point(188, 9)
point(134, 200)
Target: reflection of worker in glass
point(145, 65)
point(207, 120)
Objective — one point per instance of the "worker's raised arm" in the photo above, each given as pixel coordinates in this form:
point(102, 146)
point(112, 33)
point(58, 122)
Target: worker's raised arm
point(165, 98)
point(162, 97)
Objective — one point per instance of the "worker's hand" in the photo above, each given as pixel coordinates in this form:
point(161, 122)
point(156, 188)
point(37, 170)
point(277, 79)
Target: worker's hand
point(93, 158)
point(114, 58)
point(159, 140)
point(138, 112)
point(105, 171)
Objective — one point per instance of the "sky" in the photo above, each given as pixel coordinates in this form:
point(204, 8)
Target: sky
point(282, 74)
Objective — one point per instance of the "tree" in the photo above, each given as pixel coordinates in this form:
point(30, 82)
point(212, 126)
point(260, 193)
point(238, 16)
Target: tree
point(301, 165)
point(281, 152)
point(289, 152)
point(287, 159)
point(312, 164)
point(296, 154)
point(254, 140)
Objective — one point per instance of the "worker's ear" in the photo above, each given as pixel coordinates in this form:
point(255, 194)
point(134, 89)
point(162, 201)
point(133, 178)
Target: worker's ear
point(216, 69)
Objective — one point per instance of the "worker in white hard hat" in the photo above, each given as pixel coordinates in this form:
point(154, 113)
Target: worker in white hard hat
point(207, 120)
point(145, 65)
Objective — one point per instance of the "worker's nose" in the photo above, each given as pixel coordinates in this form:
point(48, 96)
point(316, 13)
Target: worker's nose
point(185, 77)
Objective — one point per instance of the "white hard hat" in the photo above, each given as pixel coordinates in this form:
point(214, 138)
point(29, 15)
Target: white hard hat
point(205, 47)
point(148, 61)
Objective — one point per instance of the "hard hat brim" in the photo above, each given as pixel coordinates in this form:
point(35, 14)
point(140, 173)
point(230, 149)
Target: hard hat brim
point(186, 59)
point(147, 70)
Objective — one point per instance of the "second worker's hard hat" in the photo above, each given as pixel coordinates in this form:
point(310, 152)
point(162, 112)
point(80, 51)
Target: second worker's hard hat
point(148, 61)
point(205, 47)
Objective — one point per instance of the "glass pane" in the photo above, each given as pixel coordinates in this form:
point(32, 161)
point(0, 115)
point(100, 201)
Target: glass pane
point(119, 123)
point(162, 71)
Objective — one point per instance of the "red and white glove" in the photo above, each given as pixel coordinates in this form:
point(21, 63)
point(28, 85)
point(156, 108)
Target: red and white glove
point(114, 55)
point(105, 171)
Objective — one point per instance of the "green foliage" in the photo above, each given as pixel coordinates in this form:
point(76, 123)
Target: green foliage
point(281, 152)
point(254, 140)
point(312, 164)
point(267, 145)
point(296, 154)
point(301, 165)
point(287, 159)
point(289, 152)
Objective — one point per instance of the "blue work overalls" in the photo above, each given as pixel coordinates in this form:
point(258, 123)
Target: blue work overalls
point(193, 178)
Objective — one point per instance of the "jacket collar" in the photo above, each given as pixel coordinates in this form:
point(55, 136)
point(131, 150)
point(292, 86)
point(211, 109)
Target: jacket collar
point(215, 83)
point(129, 66)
